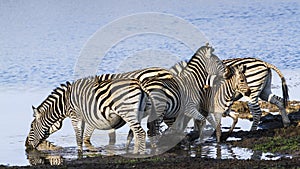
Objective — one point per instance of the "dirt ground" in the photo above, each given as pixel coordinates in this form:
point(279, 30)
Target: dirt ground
point(275, 139)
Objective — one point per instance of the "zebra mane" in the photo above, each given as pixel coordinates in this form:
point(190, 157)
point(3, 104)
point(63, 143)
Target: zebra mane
point(178, 67)
point(204, 55)
point(41, 110)
point(210, 63)
point(98, 81)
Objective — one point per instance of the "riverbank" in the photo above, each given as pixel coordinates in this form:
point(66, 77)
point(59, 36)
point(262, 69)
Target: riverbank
point(277, 143)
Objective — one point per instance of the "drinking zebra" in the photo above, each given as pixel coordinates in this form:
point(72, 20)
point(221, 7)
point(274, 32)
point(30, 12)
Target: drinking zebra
point(101, 104)
point(142, 75)
point(259, 78)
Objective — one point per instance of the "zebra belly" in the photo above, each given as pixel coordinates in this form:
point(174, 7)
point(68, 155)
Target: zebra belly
point(112, 122)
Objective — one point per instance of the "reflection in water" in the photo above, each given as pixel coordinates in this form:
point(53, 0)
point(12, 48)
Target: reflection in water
point(50, 154)
point(220, 151)
point(227, 151)
point(44, 155)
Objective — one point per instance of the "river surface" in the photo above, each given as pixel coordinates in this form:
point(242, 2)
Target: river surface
point(41, 43)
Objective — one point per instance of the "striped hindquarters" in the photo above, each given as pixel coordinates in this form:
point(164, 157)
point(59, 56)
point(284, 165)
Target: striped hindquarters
point(102, 103)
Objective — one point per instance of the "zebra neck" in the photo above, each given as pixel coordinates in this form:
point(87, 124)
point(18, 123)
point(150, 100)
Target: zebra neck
point(224, 95)
point(53, 109)
point(191, 80)
point(194, 72)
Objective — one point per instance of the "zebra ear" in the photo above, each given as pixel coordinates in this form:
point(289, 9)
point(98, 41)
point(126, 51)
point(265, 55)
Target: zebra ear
point(242, 68)
point(227, 73)
point(35, 112)
point(209, 52)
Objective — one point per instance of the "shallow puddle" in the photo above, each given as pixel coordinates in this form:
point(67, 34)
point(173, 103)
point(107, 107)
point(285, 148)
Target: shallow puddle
point(208, 148)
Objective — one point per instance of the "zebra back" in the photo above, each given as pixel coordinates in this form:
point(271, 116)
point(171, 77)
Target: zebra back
point(141, 74)
point(256, 74)
point(95, 101)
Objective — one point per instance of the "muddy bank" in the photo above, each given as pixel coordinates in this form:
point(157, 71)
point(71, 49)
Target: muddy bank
point(243, 110)
point(169, 160)
point(179, 158)
point(281, 142)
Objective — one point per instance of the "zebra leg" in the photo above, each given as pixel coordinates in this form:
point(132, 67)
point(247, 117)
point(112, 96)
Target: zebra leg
point(194, 113)
point(87, 135)
point(78, 125)
point(211, 120)
point(278, 101)
point(138, 132)
point(234, 117)
point(129, 139)
point(200, 126)
point(256, 112)
point(153, 126)
point(154, 131)
point(112, 136)
point(139, 136)
point(218, 117)
point(156, 114)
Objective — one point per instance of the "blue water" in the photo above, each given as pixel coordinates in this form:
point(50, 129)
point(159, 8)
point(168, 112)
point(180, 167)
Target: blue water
point(41, 41)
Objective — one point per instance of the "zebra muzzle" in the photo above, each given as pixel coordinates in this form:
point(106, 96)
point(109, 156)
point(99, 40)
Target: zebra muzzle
point(28, 145)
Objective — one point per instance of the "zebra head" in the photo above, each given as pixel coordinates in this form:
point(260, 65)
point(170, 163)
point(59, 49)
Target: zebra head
point(38, 131)
point(238, 78)
point(48, 117)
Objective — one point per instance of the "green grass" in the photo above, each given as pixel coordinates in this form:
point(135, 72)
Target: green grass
point(279, 144)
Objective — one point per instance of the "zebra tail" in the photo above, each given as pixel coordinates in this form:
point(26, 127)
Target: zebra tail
point(284, 85)
point(285, 92)
point(148, 93)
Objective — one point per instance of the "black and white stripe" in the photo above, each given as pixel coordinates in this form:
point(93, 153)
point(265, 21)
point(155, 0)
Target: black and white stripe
point(259, 78)
point(143, 75)
point(190, 98)
point(183, 93)
point(108, 105)
point(102, 104)
point(48, 116)
point(186, 92)
point(235, 81)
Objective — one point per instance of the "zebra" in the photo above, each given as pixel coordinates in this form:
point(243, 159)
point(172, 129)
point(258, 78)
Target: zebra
point(142, 75)
point(102, 104)
point(185, 93)
point(171, 89)
point(259, 78)
point(177, 89)
point(235, 81)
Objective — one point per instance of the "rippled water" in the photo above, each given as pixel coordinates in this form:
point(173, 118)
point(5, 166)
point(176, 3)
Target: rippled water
point(41, 42)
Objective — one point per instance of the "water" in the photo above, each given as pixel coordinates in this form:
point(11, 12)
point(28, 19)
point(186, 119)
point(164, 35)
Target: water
point(41, 41)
